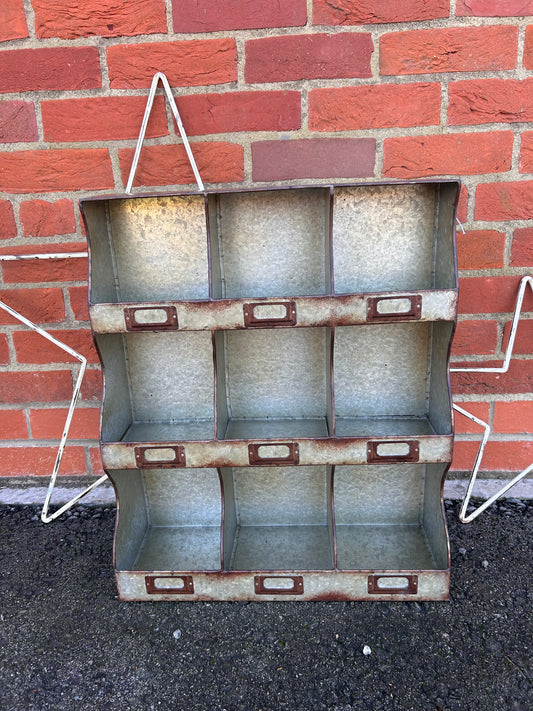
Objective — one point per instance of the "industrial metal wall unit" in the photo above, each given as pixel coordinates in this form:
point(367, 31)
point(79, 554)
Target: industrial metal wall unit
point(277, 417)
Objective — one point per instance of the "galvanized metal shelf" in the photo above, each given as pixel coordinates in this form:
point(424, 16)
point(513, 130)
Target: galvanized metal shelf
point(277, 414)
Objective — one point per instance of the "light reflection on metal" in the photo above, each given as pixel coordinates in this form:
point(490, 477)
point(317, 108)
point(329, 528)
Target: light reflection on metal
point(487, 430)
point(160, 77)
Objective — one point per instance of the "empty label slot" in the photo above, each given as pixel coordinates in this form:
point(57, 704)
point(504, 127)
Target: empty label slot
point(387, 583)
point(281, 313)
point(392, 449)
point(278, 583)
point(178, 583)
point(160, 319)
point(270, 311)
point(166, 454)
point(393, 306)
point(393, 584)
point(150, 316)
point(273, 451)
point(160, 456)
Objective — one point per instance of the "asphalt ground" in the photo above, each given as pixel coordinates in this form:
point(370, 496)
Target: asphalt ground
point(67, 642)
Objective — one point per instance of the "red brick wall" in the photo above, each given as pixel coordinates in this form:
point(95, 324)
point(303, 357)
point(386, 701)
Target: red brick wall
point(306, 90)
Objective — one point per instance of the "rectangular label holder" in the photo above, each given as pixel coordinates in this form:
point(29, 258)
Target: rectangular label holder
point(392, 451)
point(269, 314)
point(165, 457)
point(151, 318)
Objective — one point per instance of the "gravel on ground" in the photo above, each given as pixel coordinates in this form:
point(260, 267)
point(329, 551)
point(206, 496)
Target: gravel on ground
point(67, 642)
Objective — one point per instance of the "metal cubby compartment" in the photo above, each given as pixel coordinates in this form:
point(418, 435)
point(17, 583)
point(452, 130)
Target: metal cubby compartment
point(392, 379)
point(389, 517)
point(270, 243)
point(169, 519)
point(277, 518)
point(274, 383)
point(158, 387)
point(147, 248)
point(394, 237)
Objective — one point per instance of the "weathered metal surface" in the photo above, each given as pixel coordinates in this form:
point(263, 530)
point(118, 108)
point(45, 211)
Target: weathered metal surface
point(224, 314)
point(236, 453)
point(384, 237)
point(271, 329)
point(271, 243)
point(326, 586)
point(155, 247)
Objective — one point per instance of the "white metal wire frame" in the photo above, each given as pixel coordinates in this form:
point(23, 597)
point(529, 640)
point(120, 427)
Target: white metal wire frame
point(487, 430)
point(45, 516)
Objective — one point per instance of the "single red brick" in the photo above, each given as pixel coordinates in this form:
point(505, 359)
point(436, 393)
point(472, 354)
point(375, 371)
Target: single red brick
point(525, 161)
point(475, 338)
point(462, 204)
point(215, 15)
point(56, 170)
point(4, 350)
point(353, 108)
point(313, 158)
point(79, 302)
point(13, 425)
point(101, 118)
point(47, 270)
point(96, 461)
point(107, 18)
point(518, 379)
point(493, 8)
point(42, 386)
point(8, 226)
point(528, 48)
point(12, 20)
point(41, 218)
point(31, 347)
point(523, 344)
point(50, 423)
point(490, 101)
point(17, 122)
point(91, 387)
point(318, 56)
point(455, 49)
point(504, 201)
point(49, 69)
point(490, 295)
point(39, 461)
point(498, 456)
point(480, 249)
point(39, 305)
point(478, 409)
point(366, 12)
point(185, 63)
point(240, 111)
point(513, 417)
point(169, 165)
point(448, 154)
point(522, 248)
